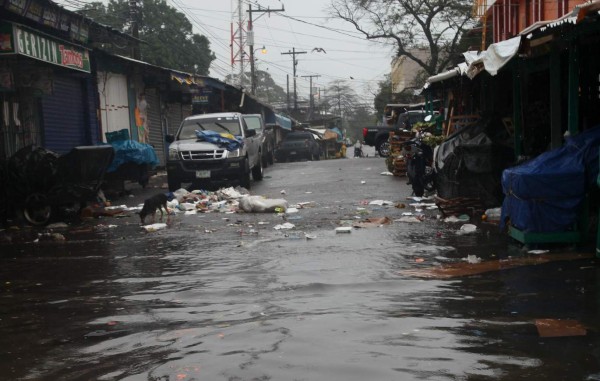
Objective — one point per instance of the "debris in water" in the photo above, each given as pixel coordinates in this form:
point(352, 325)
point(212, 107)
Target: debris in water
point(559, 328)
point(472, 259)
point(372, 222)
point(465, 269)
point(467, 229)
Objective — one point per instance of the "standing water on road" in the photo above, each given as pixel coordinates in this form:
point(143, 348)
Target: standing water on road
point(219, 296)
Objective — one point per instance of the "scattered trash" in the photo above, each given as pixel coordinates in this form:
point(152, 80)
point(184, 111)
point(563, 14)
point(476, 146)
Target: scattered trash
point(305, 204)
point(419, 260)
point(559, 328)
point(372, 222)
point(472, 259)
point(460, 205)
point(57, 225)
point(180, 194)
point(260, 204)
point(400, 205)
point(461, 218)
point(291, 210)
point(538, 252)
point(381, 202)
point(492, 215)
point(467, 229)
point(284, 226)
point(363, 182)
point(309, 236)
point(343, 229)
point(154, 227)
point(387, 173)
point(410, 219)
point(283, 192)
point(56, 237)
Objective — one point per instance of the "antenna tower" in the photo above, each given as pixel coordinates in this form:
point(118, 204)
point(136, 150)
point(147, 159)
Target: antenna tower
point(238, 39)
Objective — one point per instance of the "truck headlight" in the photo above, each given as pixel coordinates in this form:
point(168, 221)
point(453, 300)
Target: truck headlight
point(173, 154)
point(234, 153)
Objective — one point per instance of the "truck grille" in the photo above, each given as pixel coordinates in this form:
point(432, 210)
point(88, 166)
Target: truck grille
point(203, 155)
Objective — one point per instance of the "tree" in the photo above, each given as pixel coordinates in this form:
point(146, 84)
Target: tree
point(167, 36)
point(266, 88)
point(343, 101)
point(411, 24)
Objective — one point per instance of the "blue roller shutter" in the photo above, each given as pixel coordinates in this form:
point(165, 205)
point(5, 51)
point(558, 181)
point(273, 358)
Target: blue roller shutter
point(64, 115)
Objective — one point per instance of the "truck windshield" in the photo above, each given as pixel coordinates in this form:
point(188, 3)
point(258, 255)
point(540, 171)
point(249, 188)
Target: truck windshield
point(221, 125)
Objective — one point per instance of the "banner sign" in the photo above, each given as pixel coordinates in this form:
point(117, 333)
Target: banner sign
point(41, 47)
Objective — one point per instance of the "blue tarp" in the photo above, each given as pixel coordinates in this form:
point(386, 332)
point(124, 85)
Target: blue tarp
point(218, 139)
point(130, 151)
point(546, 193)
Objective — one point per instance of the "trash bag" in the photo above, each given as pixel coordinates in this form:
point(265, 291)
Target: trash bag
point(259, 204)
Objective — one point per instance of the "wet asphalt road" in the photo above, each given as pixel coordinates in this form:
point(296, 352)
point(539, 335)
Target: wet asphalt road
point(221, 296)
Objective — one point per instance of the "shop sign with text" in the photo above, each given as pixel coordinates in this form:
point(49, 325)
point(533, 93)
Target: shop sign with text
point(41, 47)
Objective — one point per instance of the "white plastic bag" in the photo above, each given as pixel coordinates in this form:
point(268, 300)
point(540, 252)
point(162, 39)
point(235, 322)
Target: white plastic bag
point(259, 204)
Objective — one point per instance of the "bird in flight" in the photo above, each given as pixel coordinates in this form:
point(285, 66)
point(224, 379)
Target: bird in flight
point(319, 50)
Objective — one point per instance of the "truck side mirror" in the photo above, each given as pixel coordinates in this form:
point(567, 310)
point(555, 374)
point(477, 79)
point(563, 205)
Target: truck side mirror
point(250, 133)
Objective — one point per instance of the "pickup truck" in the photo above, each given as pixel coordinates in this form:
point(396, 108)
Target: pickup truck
point(216, 147)
point(378, 136)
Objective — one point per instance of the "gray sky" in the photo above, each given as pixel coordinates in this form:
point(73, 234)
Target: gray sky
point(305, 25)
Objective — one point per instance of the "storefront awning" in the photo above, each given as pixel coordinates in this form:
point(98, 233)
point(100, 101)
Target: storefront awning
point(283, 122)
point(183, 79)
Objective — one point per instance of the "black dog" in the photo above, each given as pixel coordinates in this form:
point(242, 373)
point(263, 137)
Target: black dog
point(157, 202)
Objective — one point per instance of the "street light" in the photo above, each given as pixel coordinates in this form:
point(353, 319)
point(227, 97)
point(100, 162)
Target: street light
point(263, 50)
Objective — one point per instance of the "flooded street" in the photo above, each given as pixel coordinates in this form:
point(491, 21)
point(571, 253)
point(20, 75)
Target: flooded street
point(221, 296)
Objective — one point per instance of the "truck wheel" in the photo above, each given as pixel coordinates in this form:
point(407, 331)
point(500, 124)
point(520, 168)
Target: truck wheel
point(271, 157)
point(245, 177)
point(258, 171)
point(384, 148)
point(173, 183)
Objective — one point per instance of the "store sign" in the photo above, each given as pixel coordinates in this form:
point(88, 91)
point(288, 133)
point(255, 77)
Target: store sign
point(41, 47)
point(201, 96)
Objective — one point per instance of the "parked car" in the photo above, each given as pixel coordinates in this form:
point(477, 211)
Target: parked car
point(298, 145)
point(255, 121)
point(215, 147)
point(378, 136)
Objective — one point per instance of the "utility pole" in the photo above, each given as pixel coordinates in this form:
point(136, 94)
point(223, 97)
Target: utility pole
point(293, 53)
point(312, 97)
point(251, 41)
point(135, 31)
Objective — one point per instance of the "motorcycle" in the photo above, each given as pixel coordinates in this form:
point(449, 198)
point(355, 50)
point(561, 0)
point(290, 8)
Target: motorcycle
point(358, 152)
point(419, 165)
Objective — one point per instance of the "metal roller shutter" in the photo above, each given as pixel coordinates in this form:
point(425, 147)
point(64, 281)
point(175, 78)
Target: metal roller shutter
point(174, 117)
point(156, 134)
point(64, 116)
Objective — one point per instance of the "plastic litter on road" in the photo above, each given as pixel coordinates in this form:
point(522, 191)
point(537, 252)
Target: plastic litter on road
point(154, 227)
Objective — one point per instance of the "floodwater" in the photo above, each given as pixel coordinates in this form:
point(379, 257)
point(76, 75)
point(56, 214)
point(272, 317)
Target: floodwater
point(227, 297)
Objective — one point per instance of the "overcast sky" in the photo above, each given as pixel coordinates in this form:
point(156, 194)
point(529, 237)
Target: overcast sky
point(304, 25)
